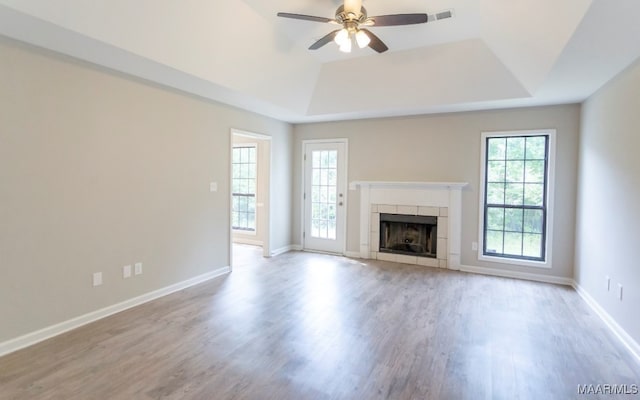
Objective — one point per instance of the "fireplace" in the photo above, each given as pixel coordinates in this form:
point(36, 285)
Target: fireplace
point(439, 200)
point(414, 235)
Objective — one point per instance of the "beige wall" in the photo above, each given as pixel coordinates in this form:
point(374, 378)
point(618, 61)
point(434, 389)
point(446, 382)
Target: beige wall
point(447, 148)
point(608, 215)
point(98, 171)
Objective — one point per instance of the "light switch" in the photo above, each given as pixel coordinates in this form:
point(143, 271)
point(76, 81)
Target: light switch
point(213, 187)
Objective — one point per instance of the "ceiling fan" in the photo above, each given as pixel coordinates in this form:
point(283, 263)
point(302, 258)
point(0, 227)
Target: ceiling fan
point(353, 17)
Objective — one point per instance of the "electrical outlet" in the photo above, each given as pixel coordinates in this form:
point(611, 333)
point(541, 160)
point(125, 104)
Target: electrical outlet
point(97, 278)
point(608, 281)
point(620, 291)
point(138, 268)
point(474, 246)
point(126, 271)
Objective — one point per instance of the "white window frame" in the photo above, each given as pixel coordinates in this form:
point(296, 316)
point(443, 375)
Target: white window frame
point(550, 181)
point(246, 232)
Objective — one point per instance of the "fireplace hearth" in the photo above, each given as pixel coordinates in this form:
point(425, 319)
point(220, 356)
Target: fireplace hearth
point(413, 235)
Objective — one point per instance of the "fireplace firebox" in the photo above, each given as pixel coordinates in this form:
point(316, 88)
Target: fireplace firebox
point(414, 235)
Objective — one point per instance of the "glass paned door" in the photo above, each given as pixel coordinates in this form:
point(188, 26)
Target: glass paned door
point(325, 200)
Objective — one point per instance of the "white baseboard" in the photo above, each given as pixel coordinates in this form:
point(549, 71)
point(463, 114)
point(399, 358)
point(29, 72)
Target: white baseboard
point(617, 330)
point(352, 254)
point(285, 249)
point(517, 275)
point(43, 334)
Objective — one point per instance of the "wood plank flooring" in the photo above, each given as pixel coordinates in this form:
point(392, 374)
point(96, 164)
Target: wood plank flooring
point(309, 326)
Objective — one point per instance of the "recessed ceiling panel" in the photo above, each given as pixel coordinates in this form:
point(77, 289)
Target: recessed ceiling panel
point(424, 77)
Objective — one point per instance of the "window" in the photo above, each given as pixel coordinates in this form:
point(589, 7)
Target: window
point(243, 188)
point(515, 211)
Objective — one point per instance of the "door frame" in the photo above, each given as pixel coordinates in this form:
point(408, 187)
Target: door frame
point(343, 226)
point(266, 209)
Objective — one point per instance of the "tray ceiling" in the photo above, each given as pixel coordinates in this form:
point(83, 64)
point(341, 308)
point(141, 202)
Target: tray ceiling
point(490, 54)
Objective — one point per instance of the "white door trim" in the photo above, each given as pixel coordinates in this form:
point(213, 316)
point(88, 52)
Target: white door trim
point(343, 226)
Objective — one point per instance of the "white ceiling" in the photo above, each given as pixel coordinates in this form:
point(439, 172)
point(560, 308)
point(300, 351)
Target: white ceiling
point(492, 54)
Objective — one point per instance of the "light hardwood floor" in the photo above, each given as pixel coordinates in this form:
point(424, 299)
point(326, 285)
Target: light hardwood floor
point(309, 326)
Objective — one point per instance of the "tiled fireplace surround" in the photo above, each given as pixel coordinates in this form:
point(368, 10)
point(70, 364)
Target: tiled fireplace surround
point(440, 199)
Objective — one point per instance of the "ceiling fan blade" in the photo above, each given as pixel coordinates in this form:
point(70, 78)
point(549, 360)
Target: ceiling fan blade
point(375, 43)
point(325, 39)
point(305, 17)
point(399, 19)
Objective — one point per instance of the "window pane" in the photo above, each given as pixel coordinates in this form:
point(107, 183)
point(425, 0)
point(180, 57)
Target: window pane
point(495, 193)
point(497, 147)
point(316, 212)
point(515, 171)
point(495, 218)
point(251, 221)
point(333, 159)
point(315, 157)
point(536, 147)
point(532, 246)
point(533, 221)
point(534, 194)
point(324, 177)
point(515, 148)
point(513, 243)
point(252, 155)
point(331, 212)
point(324, 161)
point(324, 194)
point(331, 229)
point(236, 155)
point(235, 203)
point(513, 220)
point(494, 242)
point(333, 180)
point(514, 194)
point(242, 186)
point(315, 180)
point(534, 171)
point(496, 171)
point(234, 219)
point(333, 198)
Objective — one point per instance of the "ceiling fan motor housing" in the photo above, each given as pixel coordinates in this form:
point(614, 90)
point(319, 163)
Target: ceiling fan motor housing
point(343, 17)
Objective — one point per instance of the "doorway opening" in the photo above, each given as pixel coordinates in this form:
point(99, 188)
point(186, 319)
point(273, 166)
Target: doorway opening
point(250, 177)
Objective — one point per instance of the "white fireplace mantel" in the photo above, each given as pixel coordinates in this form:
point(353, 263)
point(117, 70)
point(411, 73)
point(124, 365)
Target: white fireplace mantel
point(413, 194)
point(407, 185)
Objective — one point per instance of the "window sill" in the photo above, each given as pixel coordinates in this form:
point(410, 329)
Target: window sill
point(515, 261)
point(243, 232)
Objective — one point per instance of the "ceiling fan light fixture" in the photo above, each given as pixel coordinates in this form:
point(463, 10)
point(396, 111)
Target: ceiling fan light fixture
point(342, 37)
point(345, 46)
point(363, 39)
